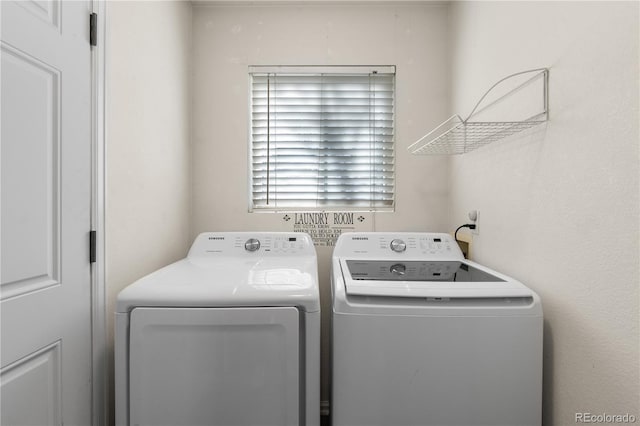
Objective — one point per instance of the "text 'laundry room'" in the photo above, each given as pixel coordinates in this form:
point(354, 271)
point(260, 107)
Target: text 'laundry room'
point(320, 213)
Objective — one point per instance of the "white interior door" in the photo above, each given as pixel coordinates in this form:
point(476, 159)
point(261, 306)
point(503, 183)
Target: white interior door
point(45, 181)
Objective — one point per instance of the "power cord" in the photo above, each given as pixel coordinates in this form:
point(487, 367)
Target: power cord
point(455, 235)
point(466, 225)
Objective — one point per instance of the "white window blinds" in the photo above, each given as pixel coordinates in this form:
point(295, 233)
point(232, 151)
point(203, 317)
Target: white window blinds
point(322, 139)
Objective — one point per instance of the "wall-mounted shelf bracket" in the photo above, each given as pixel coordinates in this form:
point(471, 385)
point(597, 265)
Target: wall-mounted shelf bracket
point(459, 136)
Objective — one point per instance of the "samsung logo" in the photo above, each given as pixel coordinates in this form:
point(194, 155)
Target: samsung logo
point(216, 238)
point(360, 238)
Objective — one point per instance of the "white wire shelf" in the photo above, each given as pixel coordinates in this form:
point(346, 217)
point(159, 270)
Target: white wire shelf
point(459, 136)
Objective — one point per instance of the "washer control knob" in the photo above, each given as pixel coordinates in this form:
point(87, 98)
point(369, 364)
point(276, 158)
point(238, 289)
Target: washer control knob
point(398, 269)
point(252, 244)
point(398, 245)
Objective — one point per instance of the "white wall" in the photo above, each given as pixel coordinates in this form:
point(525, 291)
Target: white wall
point(148, 197)
point(229, 38)
point(559, 208)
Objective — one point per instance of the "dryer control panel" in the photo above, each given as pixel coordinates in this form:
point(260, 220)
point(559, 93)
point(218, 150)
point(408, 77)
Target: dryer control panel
point(251, 244)
point(398, 245)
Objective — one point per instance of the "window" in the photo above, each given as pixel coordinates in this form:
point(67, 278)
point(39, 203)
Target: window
point(322, 138)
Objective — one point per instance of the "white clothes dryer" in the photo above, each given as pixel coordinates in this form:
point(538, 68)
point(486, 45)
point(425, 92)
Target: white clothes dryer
point(230, 335)
point(423, 337)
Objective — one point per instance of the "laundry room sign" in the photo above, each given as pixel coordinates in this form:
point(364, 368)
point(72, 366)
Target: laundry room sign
point(324, 227)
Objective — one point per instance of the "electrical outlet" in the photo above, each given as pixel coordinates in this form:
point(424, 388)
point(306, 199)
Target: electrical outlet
point(477, 222)
point(474, 217)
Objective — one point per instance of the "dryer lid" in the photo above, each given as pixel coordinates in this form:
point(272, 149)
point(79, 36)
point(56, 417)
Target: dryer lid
point(234, 269)
point(227, 282)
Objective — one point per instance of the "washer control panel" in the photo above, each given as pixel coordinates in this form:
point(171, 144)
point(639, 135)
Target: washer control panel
point(401, 245)
point(252, 244)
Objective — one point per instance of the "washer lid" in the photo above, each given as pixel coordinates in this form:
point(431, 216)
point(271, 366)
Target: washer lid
point(393, 270)
point(437, 279)
point(227, 281)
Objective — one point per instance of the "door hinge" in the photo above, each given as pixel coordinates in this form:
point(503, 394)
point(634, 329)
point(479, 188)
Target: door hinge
point(92, 246)
point(93, 29)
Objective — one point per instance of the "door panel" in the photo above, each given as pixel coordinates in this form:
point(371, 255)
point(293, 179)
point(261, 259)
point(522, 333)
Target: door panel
point(48, 11)
point(45, 183)
point(30, 188)
point(37, 375)
point(214, 366)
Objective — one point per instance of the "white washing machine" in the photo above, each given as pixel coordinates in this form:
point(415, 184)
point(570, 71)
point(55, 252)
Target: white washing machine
point(423, 337)
point(228, 336)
